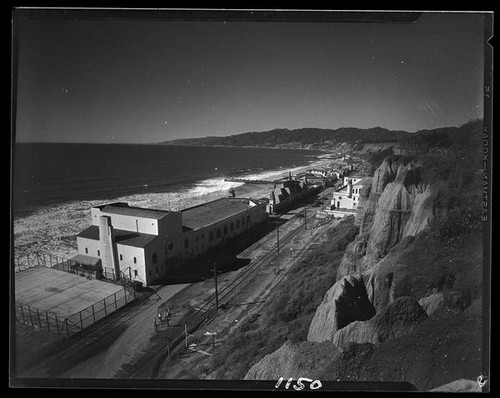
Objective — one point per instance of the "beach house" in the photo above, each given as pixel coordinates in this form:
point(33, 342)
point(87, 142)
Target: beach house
point(285, 194)
point(347, 196)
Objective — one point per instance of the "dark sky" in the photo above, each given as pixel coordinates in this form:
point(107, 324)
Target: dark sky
point(128, 81)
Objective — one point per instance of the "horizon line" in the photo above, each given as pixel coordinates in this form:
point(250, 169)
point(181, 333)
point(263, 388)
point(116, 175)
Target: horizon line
point(235, 134)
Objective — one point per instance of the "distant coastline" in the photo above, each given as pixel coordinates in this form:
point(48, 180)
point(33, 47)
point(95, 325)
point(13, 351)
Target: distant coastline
point(246, 146)
point(174, 144)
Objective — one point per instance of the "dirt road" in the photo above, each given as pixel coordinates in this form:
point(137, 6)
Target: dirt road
point(102, 349)
point(124, 341)
point(192, 363)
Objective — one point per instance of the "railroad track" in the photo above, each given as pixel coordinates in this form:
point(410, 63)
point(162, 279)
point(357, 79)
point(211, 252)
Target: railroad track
point(154, 357)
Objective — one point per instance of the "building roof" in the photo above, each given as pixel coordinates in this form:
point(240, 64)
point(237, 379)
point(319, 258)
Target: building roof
point(86, 259)
point(208, 213)
point(127, 238)
point(341, 191)
point(125, 210)
point(363, 181)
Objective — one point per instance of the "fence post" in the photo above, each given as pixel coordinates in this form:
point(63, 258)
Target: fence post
point(50, 260)
point(116, 305)
point(57, 325)
point(22, 312)
point(105, 311)
point(38, 316)
point(47, 318)
point(93, 312)
point(28, 258)
point(67, 328)
point(81, 320)
point(29, 313)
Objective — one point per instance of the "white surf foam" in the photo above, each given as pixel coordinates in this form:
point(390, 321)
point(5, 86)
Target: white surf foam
point(53, 228)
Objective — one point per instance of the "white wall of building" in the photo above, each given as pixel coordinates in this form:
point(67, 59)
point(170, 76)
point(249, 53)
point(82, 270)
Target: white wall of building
point(170, 230)
point(343, 201)
point(354, 180)
point(127, 223)
point(185, 246)
point(133, 257)
point(88, 247)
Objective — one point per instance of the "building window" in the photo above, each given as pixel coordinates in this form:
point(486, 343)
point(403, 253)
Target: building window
point(218, 232)
point(202, 236)
point(231, 227)
point(197, 239)
point(211, 237)
point(135, 260)
point(242, 220)
point(121, 257)
point(86, 250)
point(186, 243)
point(98, 252)
point(237, 224)
point(248, 220)
point(149, 271)
point(155, 258)
point(225, 229)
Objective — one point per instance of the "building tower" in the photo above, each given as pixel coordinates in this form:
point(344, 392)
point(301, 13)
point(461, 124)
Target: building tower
point(108, 245)
point(349, 188)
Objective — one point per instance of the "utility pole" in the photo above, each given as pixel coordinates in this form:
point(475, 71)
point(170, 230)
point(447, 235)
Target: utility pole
point(278, 238)
point(305, 217)
point(216, 289)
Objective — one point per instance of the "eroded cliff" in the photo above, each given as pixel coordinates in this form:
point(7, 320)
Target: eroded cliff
point(412, 272)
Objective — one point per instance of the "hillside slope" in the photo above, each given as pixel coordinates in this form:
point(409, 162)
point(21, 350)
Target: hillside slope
point(407, 302)
point(298, 138)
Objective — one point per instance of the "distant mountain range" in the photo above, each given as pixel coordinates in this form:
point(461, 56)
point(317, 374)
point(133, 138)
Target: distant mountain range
point(298, 138)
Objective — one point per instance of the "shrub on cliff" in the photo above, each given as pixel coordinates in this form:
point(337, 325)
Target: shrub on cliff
point(462, 216)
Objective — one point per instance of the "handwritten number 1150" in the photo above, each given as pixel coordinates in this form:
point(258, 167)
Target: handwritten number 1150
point(314, 384)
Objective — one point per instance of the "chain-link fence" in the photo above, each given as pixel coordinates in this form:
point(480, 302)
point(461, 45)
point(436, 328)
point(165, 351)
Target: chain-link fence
point(48, 260)
point(39, 318)
point(76, 322)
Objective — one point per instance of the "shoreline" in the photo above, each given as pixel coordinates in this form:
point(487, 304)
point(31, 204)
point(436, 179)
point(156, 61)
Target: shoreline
point(247, 146)
point(54, 228)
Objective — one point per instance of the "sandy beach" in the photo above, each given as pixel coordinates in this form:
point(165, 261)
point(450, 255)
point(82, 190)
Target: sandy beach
point(53, 229)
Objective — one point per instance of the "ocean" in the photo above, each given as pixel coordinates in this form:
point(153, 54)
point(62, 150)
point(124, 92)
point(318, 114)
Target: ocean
point(47, 174)
point(55, 185)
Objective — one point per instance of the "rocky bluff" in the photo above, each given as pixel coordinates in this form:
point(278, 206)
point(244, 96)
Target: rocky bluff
point(406, 194)
point(411, 275)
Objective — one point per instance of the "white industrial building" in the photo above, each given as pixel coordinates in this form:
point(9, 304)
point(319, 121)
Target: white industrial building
point(347, 197)
point(146, 243)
